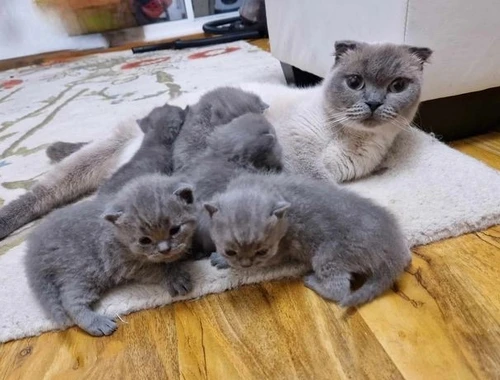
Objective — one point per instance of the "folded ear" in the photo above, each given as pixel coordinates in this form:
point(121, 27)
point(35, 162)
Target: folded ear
point(263, 106)
point(144, 124)
point(267, 140)
point(113, 215)
point(280, 208)
point(211, 208)
point(422, 53)
point(185, 193)
point(342, 47)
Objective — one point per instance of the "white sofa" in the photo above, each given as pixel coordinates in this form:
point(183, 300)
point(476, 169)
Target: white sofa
point(464, 34)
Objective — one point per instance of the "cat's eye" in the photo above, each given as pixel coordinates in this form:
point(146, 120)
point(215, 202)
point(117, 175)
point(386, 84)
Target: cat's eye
point(230, 252)
point(398, 85)
point(174, 230)
point(262, 252)
point(145, 240)
point(355, 82)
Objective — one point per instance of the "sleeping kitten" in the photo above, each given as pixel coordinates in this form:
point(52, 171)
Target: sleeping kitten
point(81, 251)
point(264, 220)
point(155, 155)
point(246, 144)
point(216, 107)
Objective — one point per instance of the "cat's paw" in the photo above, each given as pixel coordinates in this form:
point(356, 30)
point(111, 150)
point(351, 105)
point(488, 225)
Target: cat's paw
point(218, 261)
point(179, 284)
point(100, 325)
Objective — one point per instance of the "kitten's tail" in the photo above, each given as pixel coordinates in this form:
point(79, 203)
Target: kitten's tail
point(78, 175)
point(375, 285)
point(59, 150)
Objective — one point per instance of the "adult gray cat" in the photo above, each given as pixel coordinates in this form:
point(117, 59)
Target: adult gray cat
point(216, 107)
point(246, 144)
point(81, 251)
point(342, 129)
point(61, 186)
point(264, 220)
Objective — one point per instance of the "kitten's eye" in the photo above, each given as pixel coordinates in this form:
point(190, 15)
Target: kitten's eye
point(174, 230)
point(355, 82)
point(262, 252)
point(145, 240)
point(398, 85)
point(230, 253)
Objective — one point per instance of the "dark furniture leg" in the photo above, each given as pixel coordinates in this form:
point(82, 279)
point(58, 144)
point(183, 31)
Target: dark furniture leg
point(297, 77)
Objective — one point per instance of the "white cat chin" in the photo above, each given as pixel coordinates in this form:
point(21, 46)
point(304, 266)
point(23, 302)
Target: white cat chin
point(371, 127)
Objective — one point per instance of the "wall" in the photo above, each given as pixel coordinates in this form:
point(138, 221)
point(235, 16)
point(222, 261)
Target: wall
point(24, 30)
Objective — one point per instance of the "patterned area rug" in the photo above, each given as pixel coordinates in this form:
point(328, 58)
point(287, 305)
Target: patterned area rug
point(435, 191)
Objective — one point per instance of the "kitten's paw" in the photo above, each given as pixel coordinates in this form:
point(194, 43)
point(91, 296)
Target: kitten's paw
point(312, 282)
point(380, 170)
point(100, 326)
point(179, 284)
point(218, 261)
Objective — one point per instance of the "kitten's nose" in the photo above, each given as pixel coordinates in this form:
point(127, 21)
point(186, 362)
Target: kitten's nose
point(246, 263)
point(163, 247)
point(373, 105)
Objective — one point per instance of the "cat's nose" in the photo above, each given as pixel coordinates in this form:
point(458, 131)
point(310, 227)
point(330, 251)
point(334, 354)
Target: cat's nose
point(373, 105)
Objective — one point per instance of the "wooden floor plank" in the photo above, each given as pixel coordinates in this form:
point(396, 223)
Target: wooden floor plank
point(447, 318)
point(143, 348)
point(277, 330)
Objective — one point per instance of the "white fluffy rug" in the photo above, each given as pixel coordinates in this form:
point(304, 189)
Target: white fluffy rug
point(435, 191)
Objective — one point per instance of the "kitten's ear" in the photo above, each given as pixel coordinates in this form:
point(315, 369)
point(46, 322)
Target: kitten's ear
point(263, 106)
point(185, 193)
point(211, 208)
point(267, 140)
point(280, 209)
point(342, 47)
point(422, 53)
point(112, 215)
point(143, 124)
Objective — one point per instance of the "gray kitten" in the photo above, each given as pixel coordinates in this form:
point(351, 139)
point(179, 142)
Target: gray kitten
point(155, 155)
point(81, 251)
point(216, 107)
point(246, 144)
point(264, 220)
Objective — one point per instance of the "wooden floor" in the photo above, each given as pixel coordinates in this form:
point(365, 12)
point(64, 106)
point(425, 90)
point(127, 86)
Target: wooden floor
point(442, 322)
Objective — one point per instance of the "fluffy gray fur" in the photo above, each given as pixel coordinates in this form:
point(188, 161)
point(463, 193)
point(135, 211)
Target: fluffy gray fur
point(216, 107)
point(246, 144)
point(155, 155)
point(81, 251)
point(264, 220)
